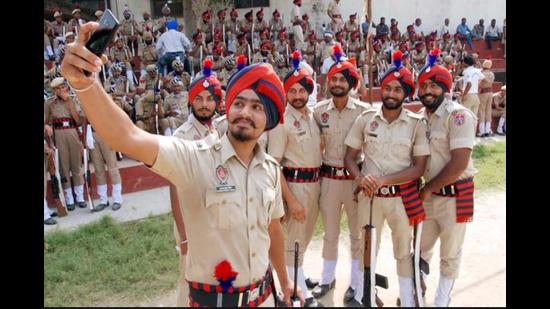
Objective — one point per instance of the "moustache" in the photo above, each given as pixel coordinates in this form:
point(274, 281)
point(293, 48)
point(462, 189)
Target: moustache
point(250, 121)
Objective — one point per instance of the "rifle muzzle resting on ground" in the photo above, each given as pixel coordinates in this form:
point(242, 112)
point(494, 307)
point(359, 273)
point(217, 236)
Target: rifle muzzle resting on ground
point(295, 299)
point(87, 175)
point(370, 278)
point(53, 169)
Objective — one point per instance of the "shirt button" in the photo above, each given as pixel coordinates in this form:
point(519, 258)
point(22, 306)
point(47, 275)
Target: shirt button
point(252, 227)
point(251, 199)
point(223, 201)
point(253, 254)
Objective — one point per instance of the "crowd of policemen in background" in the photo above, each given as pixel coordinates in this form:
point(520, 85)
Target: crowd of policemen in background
point(150, 67)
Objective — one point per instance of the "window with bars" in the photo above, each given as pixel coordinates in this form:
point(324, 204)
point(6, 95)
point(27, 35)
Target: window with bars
point(244, 4)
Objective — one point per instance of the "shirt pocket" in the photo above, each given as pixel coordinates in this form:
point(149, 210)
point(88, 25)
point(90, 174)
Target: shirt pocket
point(401, 148)
point(224, 209)
point(439, 141)
point(372, 145)
point(266, 207)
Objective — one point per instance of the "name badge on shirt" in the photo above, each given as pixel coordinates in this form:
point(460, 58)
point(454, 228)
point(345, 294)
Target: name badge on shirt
point(223, 175)
point(372, 134)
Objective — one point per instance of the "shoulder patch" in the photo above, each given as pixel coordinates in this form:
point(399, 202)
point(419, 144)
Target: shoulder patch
point(458, 117)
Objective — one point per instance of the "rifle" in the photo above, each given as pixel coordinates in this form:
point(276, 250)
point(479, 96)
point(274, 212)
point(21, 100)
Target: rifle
point(419, 266)
point(53, 169)
point(87, 174)
point(294, 298)
point(156, 89)
point(370, 277)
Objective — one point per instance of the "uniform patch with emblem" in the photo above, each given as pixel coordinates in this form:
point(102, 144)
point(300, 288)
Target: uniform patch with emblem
point(459, 118)
point(223, 175)
point(374, 125)
point(324, 117)
point(196, 137)
point(296, 124)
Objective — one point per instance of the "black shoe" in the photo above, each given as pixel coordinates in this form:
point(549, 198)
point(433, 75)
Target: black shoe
point(311, 283)
point(99, 207)
point(82, 204)
point(50, 221)
point(116, 206)
point(353, 303)
point(501, 134)
point(53, 214)
point(279, 302)
point(70, 207)
point(486, 135)
point(322, 289)
point(350, 293)
point(312, 302)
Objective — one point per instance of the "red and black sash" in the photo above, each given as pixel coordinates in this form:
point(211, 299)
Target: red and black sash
point(410, 195)
point(463, 191)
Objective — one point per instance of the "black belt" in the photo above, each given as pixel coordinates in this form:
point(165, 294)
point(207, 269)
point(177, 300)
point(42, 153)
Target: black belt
point(450, 190)
point(63, 123)
point(301, 174)
point(339, 173)
point(256, 293)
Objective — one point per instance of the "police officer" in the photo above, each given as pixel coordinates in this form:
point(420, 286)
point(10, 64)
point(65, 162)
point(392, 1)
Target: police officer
point(395, 145)
point(62, 114)
point(215, 178)
point(296, 144)
point(448, 196)
point(175, 108)
point(335, 117)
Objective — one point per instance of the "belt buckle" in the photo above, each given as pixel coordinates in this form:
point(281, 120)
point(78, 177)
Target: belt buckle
point(66, 124)
point(253, 294)
point(385, 190)
point(340, 172)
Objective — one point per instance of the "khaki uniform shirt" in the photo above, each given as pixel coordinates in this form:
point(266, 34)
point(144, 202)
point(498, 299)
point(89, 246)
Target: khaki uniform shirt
point(451, 126)
point(149, 54)
point(298, 141)
point(388, 147)
point(335, 125)
point(192, 129)
point(488, 81)
point(177, 103)
point(228, 206)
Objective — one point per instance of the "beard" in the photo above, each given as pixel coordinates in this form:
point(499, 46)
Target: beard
point(239, 133)
point(432, 102)
point(391, 105)
point(339, 92)
point(202, 118)
point(298, 103)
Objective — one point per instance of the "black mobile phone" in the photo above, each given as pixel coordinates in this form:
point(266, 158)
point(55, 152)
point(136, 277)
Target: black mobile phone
point(103, 35)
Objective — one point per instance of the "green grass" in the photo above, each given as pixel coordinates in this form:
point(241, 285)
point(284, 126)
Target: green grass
point(490, 161)
point(105, 260)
